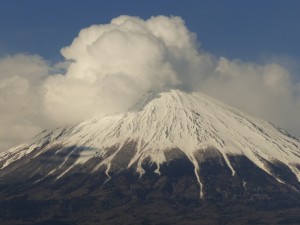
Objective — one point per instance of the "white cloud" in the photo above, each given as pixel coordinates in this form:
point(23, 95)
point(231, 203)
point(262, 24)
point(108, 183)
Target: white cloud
point(267, 91)
point(112, 65)
point(20, 97)
point(109, 66)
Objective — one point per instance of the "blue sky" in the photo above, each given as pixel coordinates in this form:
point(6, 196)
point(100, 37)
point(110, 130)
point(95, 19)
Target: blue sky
point(248, 30)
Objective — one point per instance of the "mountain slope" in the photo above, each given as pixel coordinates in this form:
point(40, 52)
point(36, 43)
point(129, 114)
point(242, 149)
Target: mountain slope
point(186, 151)
point(161, 122)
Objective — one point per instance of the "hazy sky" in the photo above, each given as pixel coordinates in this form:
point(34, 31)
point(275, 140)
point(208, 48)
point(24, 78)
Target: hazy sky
point(244, 53)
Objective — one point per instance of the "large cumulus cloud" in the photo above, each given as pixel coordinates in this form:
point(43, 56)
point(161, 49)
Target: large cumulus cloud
point(111, 65)
point(108, 66)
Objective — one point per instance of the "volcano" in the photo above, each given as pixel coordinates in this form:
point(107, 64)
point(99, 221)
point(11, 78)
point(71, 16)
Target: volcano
point(172, 158)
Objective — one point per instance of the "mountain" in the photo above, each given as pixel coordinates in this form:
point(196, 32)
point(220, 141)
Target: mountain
point(172, 158)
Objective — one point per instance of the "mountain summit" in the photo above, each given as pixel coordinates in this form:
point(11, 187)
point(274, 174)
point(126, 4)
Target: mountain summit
point(187, 140)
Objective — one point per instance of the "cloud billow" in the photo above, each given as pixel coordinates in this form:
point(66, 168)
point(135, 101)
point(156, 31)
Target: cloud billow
point(109, 66)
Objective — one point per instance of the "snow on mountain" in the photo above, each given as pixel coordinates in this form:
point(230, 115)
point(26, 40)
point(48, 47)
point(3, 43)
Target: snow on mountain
point(161, 122)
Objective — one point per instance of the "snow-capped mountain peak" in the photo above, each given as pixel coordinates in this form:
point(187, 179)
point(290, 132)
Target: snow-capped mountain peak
point(161, 122)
